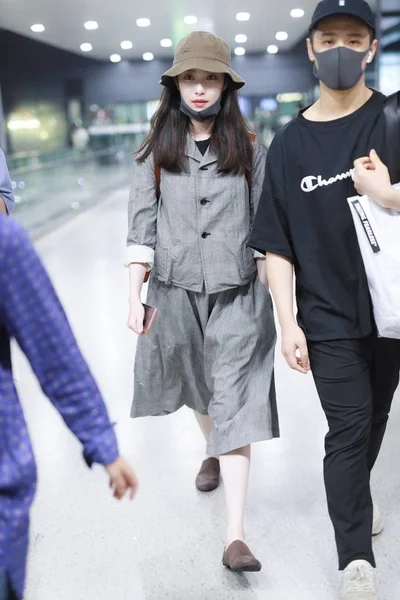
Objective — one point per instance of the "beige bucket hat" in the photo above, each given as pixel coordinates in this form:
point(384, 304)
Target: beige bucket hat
point(205, 51)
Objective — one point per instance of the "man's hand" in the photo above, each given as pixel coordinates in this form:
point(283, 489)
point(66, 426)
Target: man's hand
point(294, 349)
point(122, 478)
point(2, 206)
point(371, 178)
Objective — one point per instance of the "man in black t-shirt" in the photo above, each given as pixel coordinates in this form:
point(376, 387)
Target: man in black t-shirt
point(304, 224)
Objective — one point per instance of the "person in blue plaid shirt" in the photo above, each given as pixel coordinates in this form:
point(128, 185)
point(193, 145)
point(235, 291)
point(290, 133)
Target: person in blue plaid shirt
point(31, 313)
point(6, 193)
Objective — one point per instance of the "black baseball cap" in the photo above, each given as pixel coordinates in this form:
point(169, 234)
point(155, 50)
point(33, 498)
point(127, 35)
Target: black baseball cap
point(354, 8)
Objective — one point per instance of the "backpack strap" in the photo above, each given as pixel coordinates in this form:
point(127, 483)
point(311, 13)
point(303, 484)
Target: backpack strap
point(392, 121)
point(157, 173)
point(252, 138)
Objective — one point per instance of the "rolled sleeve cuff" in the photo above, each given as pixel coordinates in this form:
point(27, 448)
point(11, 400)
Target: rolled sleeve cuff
point(103, 450)
point(139, 254)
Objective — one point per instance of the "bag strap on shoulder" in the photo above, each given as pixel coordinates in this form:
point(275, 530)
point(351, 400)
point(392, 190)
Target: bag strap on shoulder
point(252, 138)
point(157, 173)
point(392, 121)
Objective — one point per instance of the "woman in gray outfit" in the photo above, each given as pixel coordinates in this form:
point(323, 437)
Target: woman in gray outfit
point(197, 182)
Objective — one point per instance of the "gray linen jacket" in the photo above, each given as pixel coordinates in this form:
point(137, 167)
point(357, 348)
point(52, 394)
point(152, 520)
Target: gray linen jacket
point(196, 233)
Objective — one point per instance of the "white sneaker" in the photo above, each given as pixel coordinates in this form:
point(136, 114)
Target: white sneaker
point(358, 582)
point(377, 525)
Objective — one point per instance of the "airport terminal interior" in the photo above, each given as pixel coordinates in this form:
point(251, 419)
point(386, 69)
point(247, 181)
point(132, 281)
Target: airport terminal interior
point(79, 84)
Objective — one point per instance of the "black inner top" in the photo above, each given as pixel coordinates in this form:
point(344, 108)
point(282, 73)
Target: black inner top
point(203, 145)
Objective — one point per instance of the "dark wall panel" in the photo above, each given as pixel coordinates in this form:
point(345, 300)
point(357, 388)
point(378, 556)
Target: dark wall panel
point(31, 70)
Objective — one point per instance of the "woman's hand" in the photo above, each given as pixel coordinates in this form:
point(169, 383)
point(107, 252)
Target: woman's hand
point(136, 316)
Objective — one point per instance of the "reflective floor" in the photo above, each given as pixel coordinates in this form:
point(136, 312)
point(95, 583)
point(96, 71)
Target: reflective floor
point(47, 195)
point(168, 544)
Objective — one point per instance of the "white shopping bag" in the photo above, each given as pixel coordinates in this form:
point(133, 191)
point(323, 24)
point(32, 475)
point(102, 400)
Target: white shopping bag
point(378, 233)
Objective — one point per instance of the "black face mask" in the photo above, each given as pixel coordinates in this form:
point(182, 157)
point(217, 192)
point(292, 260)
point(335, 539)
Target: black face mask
point(340, 68)
point(201, 115)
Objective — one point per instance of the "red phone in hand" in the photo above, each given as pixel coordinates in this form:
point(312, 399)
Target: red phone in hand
point(150, 313)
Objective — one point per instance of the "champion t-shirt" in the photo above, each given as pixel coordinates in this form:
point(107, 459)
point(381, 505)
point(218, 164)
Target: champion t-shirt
point(303, 215)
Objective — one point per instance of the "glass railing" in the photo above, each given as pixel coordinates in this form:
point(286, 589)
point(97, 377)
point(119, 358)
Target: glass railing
point(48, 193)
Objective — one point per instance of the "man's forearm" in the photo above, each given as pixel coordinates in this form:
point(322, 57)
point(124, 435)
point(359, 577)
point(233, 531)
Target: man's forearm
point(393, 200)
point(280, 277)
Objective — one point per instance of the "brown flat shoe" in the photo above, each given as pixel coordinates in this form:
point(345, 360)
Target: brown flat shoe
point(207, 479)
point(237, 557)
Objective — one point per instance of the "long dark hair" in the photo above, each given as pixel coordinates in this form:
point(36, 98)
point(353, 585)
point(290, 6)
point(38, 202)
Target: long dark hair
point(169, 128)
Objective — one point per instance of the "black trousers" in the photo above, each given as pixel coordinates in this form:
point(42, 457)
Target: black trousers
point(356, 381)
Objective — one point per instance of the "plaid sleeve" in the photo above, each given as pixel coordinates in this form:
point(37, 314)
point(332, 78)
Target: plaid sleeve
point(33, 315)
point(6, 192)
point(270, 231)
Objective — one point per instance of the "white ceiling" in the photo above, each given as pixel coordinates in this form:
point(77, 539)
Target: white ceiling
point(64, 21)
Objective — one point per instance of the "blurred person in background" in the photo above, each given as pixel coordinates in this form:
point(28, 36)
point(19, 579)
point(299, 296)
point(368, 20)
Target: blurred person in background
point(212, 345)
point(80, 138)
point(31, 313)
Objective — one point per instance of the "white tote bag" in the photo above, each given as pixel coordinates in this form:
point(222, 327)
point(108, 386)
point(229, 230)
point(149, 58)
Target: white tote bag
point(378, 233)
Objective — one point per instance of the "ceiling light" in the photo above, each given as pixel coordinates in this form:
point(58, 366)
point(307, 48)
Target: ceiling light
point(191, 20)
point(297, 13)
point(126, 45)
point(115, 58)
point(38, 28)
point(272, 49)
point(166, 43)
point(239, 51)
point(86, 47)
point(241, 38)
point(282, 36)
point(148, 56)
point(91, 25)
point(143, 22)
point(243, 16)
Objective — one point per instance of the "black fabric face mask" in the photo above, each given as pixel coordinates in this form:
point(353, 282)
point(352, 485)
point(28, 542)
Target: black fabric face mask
point(201, 115)
point(340, 68)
